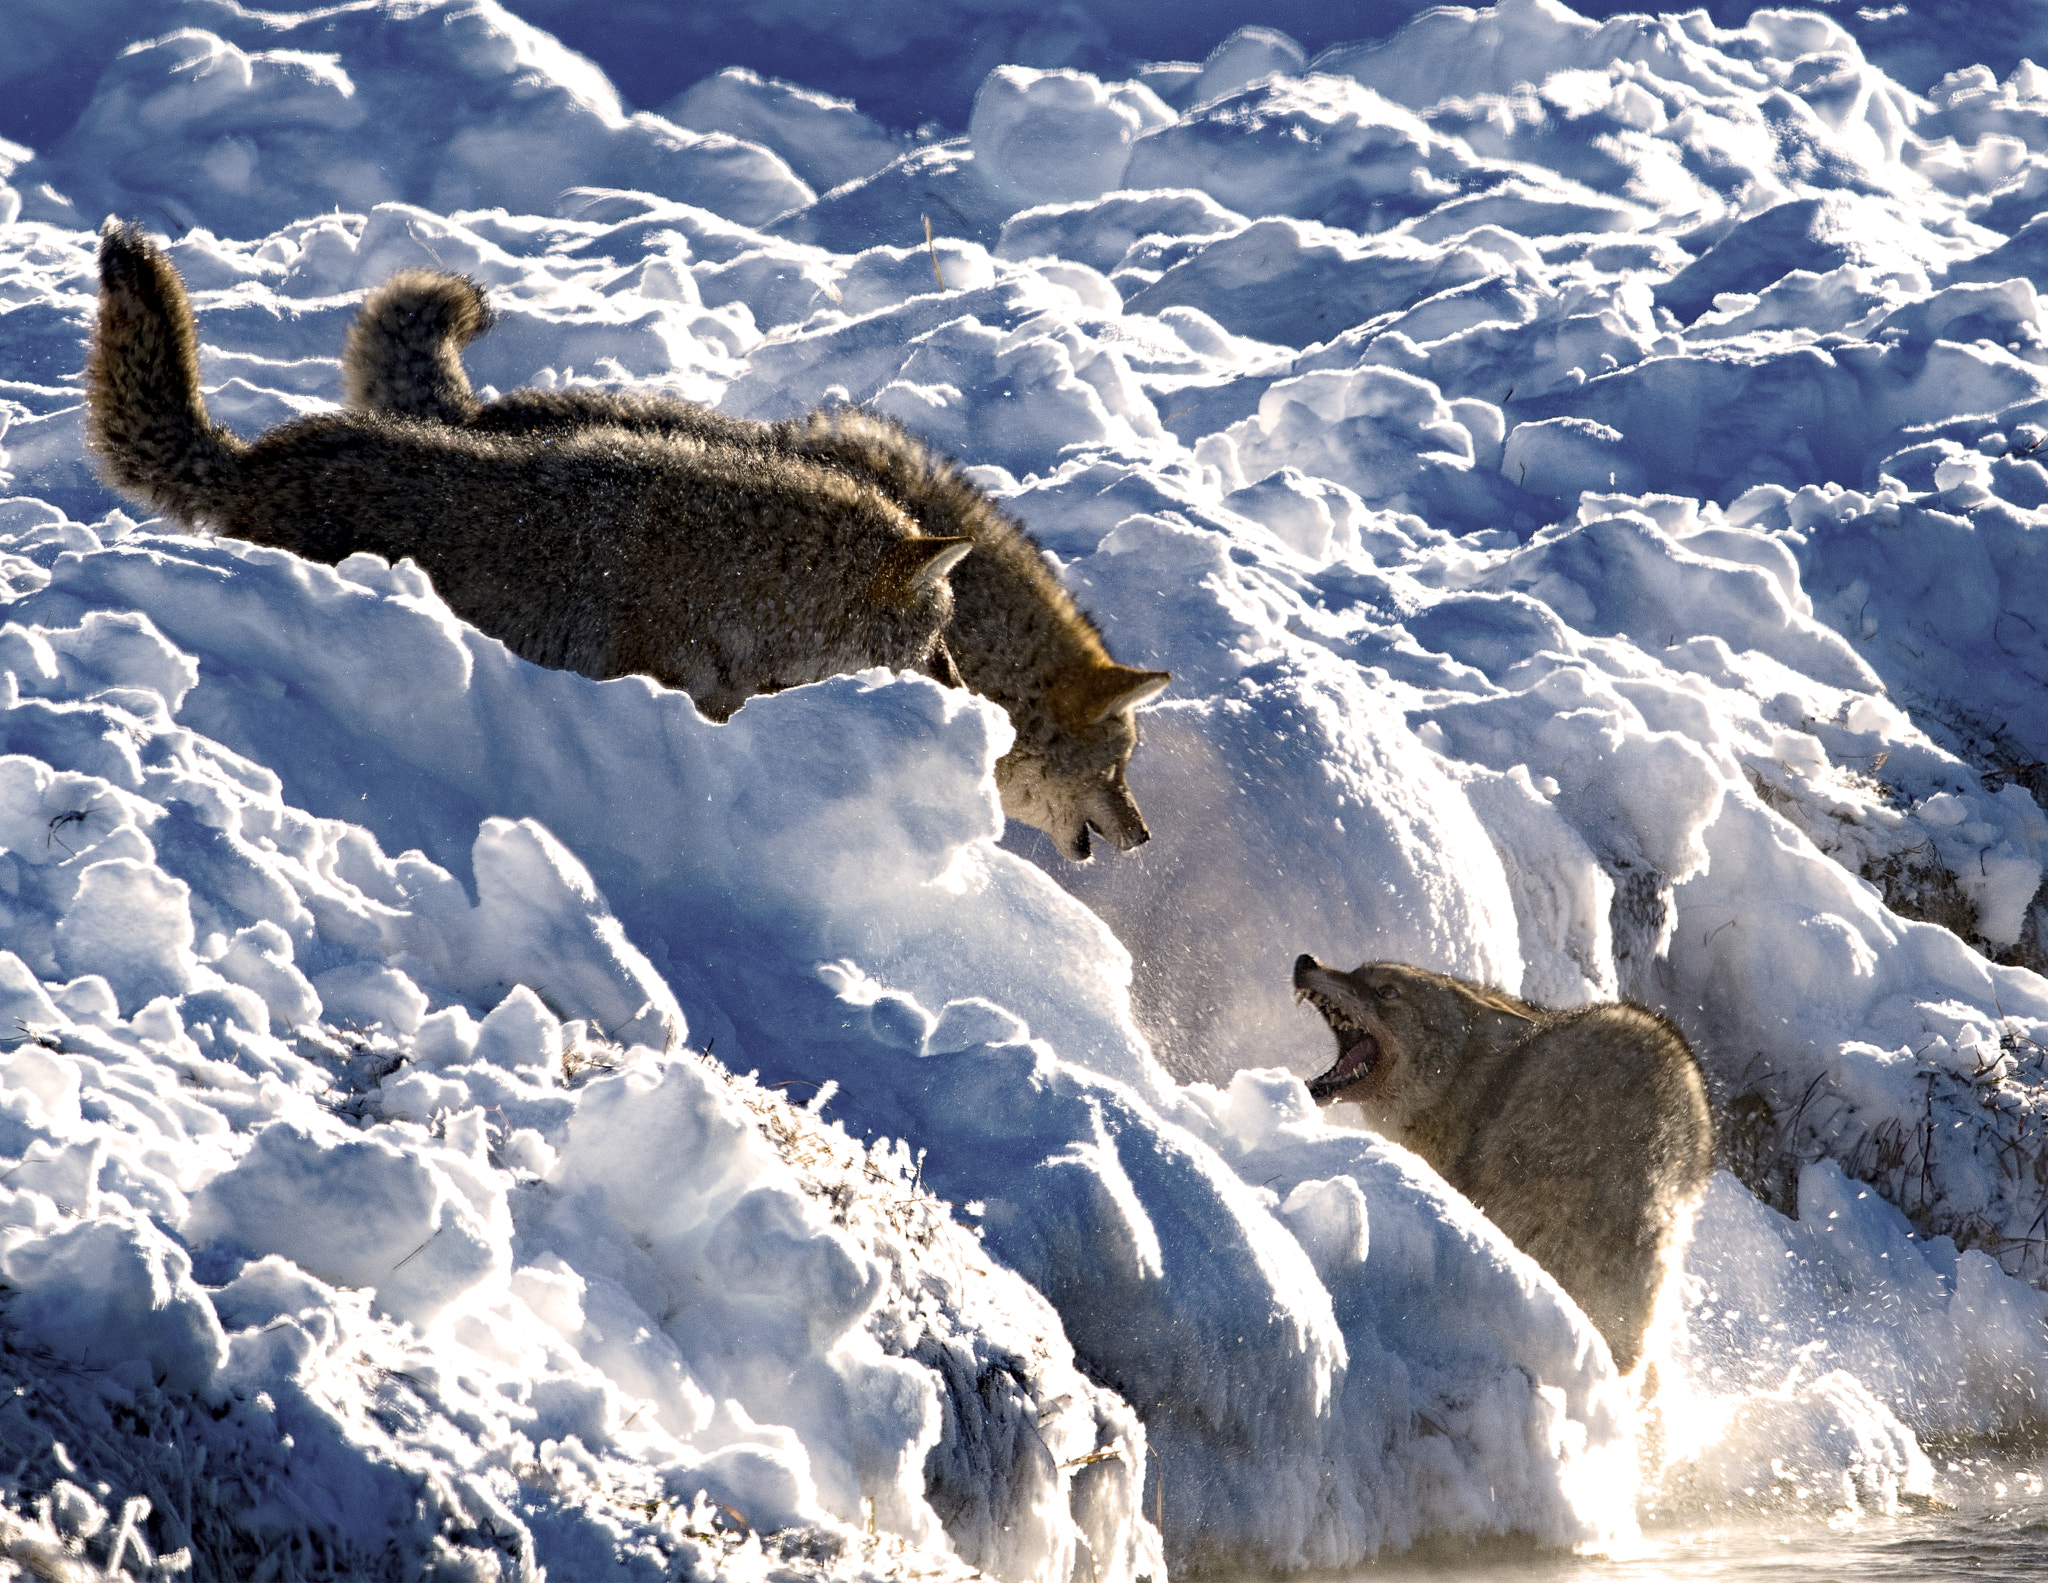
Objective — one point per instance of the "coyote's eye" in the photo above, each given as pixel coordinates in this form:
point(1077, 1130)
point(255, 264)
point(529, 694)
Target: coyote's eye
point(1388, 991)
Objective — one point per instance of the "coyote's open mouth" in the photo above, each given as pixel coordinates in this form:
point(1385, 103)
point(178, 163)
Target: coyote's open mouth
point(1358, 1050)
point(1354, 1060)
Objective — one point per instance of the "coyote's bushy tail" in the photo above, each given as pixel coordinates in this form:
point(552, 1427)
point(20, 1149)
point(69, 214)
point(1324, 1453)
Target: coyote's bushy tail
point(403, 354)
point(145, 416)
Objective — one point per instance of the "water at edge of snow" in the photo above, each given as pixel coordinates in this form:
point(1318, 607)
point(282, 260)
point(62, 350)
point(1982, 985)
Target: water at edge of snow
point(1993, 1525)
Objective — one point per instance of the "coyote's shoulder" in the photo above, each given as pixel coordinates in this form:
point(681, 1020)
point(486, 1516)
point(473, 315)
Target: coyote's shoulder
point(719, 569)
point(1015, 634)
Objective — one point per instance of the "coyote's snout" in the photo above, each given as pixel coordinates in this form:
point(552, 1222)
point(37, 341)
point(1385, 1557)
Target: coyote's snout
point(719, 569)
point(1502, 1096)
point(1015, 635)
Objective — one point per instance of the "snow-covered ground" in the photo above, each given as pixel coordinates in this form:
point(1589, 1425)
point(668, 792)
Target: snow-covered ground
point(461, 1119)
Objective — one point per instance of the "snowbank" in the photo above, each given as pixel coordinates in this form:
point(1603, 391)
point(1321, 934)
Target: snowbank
point(1107, 1192)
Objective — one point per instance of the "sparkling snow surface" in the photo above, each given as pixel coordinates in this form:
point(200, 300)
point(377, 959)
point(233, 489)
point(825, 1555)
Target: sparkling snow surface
point(1581, 475)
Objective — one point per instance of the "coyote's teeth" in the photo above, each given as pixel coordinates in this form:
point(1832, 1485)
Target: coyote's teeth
point(1300, 995)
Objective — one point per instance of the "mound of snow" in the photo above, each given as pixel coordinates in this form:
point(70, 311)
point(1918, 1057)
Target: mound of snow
point(243, 130)
point(1058, 136)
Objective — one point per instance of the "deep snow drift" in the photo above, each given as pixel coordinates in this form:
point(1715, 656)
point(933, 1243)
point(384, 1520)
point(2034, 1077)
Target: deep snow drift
point(1581, 476)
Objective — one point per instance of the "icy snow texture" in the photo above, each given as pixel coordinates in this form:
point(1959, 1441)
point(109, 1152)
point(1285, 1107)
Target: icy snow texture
point(1582, 477)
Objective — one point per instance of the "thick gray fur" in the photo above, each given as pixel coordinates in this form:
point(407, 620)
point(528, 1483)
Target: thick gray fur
point(719, 569)
point(1584, 1135)
point(1015, 635)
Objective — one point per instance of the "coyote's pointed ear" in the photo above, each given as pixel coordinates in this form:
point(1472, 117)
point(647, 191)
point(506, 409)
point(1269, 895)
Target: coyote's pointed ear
point(1100, 691)
point(914, 565)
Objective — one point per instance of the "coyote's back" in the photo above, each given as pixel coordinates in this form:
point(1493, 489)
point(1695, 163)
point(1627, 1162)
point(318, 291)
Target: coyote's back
point(717, 569)
point(1016, 636)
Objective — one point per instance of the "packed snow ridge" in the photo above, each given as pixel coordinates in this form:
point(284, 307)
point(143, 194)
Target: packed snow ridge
point(460, 1119)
